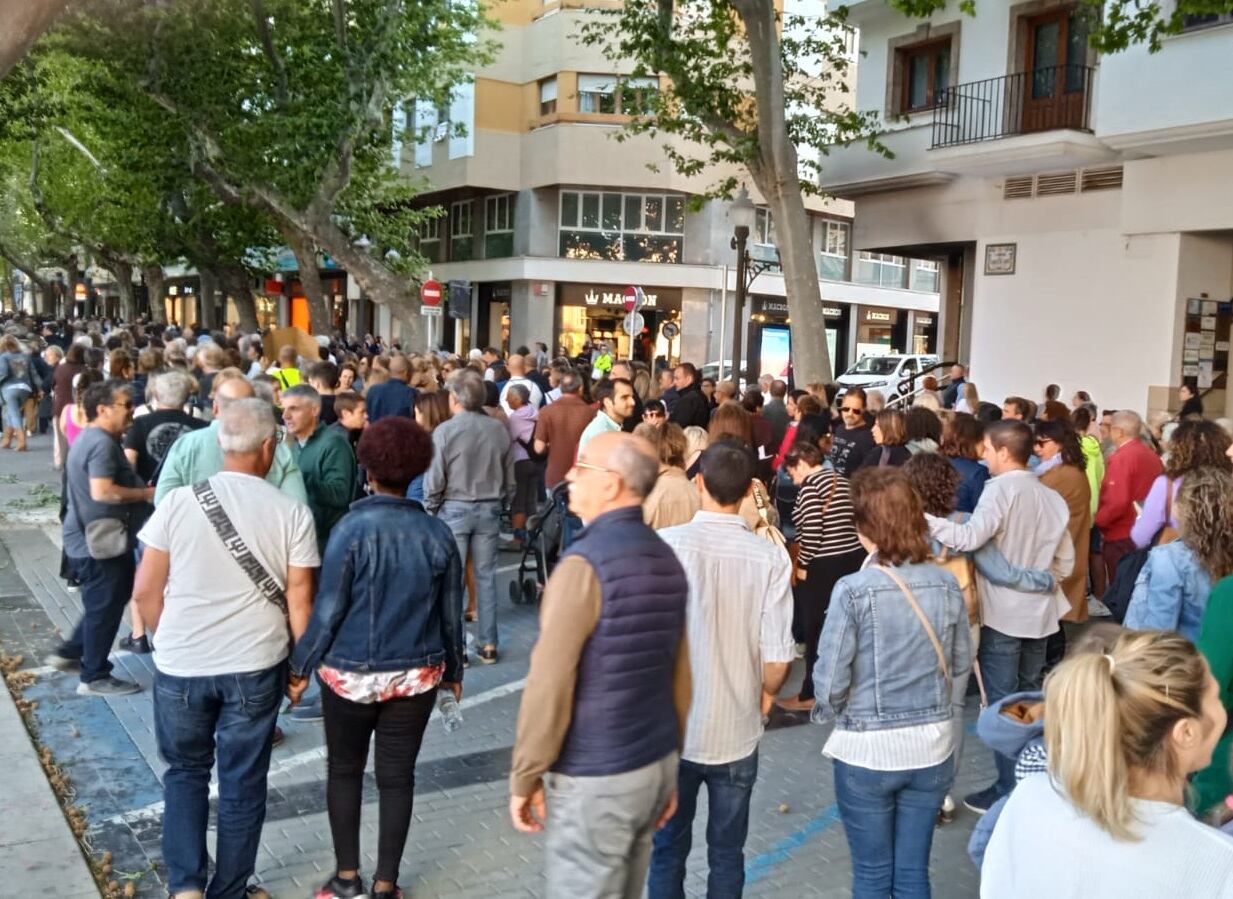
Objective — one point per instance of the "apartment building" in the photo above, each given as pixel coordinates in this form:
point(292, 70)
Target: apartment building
point(1082, 204)
point(550, 218)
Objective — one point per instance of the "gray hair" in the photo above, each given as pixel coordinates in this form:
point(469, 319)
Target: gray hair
point(309, 393)
point(245, 425)
point(571, 382)
point(636, 467)
point(467, 387)
point(170, 389)
point(1128, 421)
point(264, 389)
point(521, 391)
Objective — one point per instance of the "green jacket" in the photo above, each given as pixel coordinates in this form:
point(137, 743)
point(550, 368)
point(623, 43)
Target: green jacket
point(196, 456)
point(1214, 783)
point(1094, 467)
point(328, 466)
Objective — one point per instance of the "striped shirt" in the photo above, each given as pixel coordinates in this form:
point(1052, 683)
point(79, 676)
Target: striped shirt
point(829, 534)
point(739, 615)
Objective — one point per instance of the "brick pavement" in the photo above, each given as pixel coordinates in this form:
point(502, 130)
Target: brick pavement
point(461, 844)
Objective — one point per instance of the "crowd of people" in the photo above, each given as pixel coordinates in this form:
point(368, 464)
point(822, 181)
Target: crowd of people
point(328, 529)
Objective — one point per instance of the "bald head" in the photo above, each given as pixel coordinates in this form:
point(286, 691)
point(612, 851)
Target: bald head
point(229, 391)
point(517, 365)
point(614, 471)
point(400, 368)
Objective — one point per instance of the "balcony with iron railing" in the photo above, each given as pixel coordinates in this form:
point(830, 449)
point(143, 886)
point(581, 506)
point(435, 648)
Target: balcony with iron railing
point(1050, 98)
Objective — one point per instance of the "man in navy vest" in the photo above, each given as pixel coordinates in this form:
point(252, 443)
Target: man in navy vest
point(607, 696)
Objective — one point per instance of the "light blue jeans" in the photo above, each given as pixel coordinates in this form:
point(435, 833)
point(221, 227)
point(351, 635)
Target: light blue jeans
point(477, 529)
point(14, 396)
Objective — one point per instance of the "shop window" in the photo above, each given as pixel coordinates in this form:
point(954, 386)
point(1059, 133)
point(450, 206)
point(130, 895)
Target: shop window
point(926, 76)
point(833, 256)
point(924, 275)
point(462, 230)
point(633, 227)
point(881, 269)
point(548, 96)
point(610, 95)
point(499, 226)
point(429, 244)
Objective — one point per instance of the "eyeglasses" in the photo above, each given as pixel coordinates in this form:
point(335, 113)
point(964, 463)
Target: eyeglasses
point(587, 466)
point(850, 410)
point(127, 404)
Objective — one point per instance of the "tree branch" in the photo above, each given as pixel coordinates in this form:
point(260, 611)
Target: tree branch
point(27, 266)
point(262, 20)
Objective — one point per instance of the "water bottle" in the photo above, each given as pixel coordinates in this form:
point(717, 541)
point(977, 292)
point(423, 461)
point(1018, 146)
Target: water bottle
point(447, 705)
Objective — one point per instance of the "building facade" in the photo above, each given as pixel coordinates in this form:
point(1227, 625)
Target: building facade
point(1081, 204)
point(549, 218)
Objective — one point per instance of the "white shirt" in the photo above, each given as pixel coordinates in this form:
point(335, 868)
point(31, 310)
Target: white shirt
point(1028, 522)
point(214, 619)
point(537, 395)
point(739, 615)
point(1043, 846)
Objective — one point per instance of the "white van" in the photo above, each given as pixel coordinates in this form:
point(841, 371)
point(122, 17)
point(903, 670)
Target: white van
point(887, 374)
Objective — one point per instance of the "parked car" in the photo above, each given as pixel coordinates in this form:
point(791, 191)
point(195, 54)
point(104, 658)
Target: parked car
point(890, 374)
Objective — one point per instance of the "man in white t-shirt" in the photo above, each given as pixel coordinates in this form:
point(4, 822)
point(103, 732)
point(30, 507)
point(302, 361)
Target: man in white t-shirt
point(219, 557)
point(518, 375)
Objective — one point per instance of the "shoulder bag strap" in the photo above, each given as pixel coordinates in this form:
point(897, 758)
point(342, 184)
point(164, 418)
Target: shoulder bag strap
point(1168, 502)
point(760, 501)
point(265, 583)
point(924, 620)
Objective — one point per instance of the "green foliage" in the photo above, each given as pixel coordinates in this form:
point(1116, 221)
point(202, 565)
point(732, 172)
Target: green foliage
point(710, 112)
point(1114, 25)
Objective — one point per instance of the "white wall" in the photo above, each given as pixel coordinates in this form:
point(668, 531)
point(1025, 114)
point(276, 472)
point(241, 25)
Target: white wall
point(1090, 310)
point(1193, 192)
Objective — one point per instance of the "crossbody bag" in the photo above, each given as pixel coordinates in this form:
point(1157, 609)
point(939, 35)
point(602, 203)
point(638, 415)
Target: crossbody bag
point(252, 567)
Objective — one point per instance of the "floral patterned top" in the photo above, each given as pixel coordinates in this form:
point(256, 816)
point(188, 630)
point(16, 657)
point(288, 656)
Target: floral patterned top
point(382, 686)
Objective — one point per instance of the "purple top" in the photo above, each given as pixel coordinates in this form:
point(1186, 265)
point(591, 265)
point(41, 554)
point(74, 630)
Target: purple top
point(521, 424)
point(1153, 517)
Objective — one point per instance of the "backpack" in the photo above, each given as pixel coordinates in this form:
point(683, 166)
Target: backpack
point(1117, 597)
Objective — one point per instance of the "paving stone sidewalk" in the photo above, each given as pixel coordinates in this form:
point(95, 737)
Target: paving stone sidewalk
point(461, 844)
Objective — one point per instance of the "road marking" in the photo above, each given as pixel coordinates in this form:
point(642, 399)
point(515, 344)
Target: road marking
point(154, 811)
point(761, 864)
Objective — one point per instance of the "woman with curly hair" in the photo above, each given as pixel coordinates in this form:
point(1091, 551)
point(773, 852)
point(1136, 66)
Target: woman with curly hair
point(1172, 588)
point(1194, 444)
point(383, 638)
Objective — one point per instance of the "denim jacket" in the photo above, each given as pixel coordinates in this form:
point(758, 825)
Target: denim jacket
point(390, 595)
point(1170, 592)
point(876, 667)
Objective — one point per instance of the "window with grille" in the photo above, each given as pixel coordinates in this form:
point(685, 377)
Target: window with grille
point(636, 227)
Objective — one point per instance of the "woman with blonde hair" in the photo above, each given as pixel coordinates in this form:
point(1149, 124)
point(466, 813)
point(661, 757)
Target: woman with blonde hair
point(1124, 730)
point(696, 441)
point(969, 399)
point(673, 500)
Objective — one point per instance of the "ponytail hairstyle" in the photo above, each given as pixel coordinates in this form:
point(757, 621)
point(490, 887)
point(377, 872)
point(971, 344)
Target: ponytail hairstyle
point(1109, 715)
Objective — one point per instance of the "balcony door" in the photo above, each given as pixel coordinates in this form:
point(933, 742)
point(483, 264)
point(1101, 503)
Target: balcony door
point(1056, 77)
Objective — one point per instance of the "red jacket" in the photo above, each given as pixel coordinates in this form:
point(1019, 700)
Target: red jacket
point(1128, 478)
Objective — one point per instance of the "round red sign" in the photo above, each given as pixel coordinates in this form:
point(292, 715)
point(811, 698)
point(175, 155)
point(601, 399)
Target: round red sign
point(631, 298)
point(430, 293)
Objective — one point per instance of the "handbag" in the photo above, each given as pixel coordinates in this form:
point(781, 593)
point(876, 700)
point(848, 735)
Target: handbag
point(924, 620)
point(765, 529)
point(106, 538)
point(1167, 533)
point(217, 516)
point(963, 571)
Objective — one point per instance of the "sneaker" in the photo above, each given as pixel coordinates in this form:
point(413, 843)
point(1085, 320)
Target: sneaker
point(337, 888)
point(139, 645)
point(488, 655)
point(253, 891)
point(983, 801)
point(61, 663)
point(309, 712)
point(108, 686)
point(946, 814)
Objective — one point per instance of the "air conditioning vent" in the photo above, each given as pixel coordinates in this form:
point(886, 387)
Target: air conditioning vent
point(1107, 178)
point(1056, 184)
point(1017, 188)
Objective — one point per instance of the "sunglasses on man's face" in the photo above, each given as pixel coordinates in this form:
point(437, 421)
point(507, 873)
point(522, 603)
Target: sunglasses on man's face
point(851, 410)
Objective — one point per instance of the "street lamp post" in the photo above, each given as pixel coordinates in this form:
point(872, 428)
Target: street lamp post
point(742, 214)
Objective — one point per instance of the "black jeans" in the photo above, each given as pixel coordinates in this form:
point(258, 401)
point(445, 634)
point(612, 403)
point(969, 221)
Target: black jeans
point(399, 725)
point(813, 598)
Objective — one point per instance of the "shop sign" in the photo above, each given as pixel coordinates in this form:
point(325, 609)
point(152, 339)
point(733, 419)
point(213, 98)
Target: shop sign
point(79, 292)
point(924, 321)
point(607, 297)
point(770, 306)
point(878, 316)
point(832, 311)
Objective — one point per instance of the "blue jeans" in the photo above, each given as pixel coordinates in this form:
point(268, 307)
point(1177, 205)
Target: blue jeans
point(192, 715)
point(477, 528)
point(728, 789)
point(106, 588)
point(888, 817)
point(1009, 665)
point(14, 396)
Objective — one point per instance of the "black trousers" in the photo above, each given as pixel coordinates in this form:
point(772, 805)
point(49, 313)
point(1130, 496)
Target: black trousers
point(813, 597)
point(399, 725)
